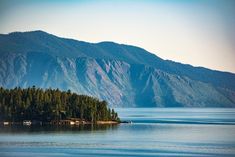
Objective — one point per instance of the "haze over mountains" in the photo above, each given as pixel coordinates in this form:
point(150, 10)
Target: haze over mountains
point(125, 76)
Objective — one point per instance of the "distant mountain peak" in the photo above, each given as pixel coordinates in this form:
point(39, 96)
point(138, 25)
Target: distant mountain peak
point(28, 32)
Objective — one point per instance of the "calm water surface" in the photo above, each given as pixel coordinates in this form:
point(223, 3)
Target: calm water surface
point(154, 132)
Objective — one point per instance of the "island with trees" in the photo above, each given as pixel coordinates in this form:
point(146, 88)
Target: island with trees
point(52, 106)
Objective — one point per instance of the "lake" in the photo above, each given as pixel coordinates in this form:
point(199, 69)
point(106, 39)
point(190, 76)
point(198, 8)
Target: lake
point(153, 132)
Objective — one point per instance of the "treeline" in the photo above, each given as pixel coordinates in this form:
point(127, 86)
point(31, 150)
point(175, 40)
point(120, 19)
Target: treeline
point(34, 103)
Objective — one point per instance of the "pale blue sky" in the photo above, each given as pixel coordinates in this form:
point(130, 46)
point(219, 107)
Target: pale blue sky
point(197, 32)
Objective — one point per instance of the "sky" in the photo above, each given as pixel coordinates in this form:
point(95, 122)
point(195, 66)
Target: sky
point(196, 32)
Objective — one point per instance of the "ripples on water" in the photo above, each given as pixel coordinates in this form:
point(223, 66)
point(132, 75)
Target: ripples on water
point(154, 132)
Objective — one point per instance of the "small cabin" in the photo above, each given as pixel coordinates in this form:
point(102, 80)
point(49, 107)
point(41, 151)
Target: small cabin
point(62, 122)
point(27, 122)
point(6, 123)
point(77, 122)
point(72, 122)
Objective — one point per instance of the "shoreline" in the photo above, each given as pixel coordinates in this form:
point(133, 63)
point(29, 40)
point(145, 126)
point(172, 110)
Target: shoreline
point(60, 123)
point(108, 122)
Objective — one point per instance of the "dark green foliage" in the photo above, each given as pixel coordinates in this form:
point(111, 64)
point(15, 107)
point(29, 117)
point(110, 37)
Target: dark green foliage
point(51, 104)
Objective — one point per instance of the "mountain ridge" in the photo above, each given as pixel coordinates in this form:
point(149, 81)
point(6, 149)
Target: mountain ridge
point(112, 42)
point(131, 75)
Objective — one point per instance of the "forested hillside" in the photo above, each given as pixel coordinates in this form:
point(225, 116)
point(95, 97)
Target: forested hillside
point(34, 103)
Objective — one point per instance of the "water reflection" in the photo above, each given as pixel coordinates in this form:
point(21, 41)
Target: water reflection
point(54, 128)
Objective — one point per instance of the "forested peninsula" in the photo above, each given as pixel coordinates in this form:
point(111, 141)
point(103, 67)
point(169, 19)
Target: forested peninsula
point(52, 106)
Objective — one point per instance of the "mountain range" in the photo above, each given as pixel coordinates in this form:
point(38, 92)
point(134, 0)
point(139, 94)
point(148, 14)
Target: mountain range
point(123, 75)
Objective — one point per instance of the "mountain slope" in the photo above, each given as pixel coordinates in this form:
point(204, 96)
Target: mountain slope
point(124, 75)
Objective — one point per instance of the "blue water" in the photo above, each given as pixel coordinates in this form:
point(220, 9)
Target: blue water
point(153, 132)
